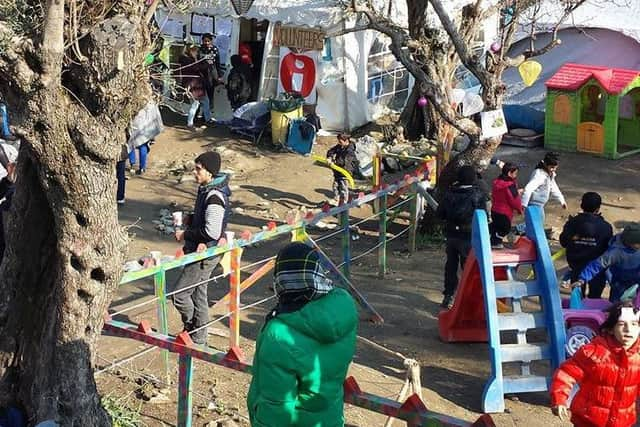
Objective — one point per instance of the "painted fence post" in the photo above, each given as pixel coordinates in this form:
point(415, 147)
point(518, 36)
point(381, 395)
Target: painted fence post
point(234, 298)
point(376, 179)
point(185, 392)
point(159, 285)
point(382, 237)
point(346, 244)
point(413, 211)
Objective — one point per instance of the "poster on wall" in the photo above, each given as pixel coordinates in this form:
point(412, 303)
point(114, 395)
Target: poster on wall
point(201, 24)
point(297, 73)
point(493, 124)
point(223, 38)
point(173, 28)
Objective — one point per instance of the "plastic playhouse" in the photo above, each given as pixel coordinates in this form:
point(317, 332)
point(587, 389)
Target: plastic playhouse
point(593, 109)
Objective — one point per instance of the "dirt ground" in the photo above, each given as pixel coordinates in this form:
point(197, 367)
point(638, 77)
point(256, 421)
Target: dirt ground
point(267, 184)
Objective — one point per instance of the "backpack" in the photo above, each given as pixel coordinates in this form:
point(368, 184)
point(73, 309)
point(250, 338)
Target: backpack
point(461, 206)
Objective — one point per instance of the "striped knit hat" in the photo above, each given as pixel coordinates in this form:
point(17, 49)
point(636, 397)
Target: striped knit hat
point(298, 274)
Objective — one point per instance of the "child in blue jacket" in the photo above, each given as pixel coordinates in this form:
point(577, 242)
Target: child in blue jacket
point(622, 258)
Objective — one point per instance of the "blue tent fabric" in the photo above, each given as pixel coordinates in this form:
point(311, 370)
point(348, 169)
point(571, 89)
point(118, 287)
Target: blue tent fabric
point(523, 116)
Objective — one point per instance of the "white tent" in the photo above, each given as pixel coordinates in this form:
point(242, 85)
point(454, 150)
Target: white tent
point(357, 81)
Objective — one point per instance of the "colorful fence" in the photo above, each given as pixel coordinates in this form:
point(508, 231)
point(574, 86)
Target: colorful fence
point(412, 410)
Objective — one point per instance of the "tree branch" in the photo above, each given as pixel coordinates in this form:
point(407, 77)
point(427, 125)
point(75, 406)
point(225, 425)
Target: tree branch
point(466, 57)
point(53, 43)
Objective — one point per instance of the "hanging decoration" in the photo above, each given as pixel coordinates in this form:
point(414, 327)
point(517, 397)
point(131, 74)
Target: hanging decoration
point(495, 47)
point(148, 59)
point(471, 104)
point(529, 71)
point(457, 95)
point(422, 102)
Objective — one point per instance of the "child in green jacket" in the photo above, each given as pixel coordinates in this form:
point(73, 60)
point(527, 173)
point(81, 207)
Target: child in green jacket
point(305, 347)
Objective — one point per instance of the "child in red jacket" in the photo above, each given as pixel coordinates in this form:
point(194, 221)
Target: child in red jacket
point(608, 372)
point(505, 199)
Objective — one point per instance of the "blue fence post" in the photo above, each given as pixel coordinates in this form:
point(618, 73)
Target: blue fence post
point(185, 392)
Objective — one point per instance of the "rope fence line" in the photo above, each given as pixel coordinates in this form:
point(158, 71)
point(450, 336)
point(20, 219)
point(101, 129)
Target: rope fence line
point(298, 229)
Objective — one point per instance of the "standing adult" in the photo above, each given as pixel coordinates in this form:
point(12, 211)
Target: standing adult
point(194, 72)
point(203, 229)
point(305, 347)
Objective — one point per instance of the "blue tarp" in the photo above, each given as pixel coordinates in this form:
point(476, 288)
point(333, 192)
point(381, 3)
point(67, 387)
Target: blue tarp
point(523, 116)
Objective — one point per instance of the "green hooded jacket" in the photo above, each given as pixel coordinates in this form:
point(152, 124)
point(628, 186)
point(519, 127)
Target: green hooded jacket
point(301, 362)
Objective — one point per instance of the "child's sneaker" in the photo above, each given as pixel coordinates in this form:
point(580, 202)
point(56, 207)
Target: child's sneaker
point(447, 302)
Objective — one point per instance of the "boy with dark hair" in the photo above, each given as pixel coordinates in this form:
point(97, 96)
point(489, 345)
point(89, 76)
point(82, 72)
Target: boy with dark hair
point(305, 347)
point(586, 236)
point(622, 259)
point(505, 199)
point(456, 209)
point(343, 154)
point(211, 55)
point(203, 229)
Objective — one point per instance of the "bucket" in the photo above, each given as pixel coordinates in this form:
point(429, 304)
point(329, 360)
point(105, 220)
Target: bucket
point(280, 124)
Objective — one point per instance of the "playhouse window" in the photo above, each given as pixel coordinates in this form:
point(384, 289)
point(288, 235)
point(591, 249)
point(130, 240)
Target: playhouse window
point(562, 110)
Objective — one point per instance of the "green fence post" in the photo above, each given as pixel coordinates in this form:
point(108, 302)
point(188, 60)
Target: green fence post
point(159, 284)
point(382, 237)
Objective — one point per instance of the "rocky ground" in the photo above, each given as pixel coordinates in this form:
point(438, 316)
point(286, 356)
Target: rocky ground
point(266, 185)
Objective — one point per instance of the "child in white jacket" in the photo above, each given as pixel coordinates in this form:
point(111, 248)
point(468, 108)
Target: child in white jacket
point(542, 184)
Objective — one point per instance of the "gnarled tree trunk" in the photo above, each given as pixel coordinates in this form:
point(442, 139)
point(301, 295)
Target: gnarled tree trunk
point(65, 248)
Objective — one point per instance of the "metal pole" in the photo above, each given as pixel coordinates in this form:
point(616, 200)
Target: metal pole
point(382, 238)
point(346, 244)
point(185, 392)
point(159, 284)
point(413, 220)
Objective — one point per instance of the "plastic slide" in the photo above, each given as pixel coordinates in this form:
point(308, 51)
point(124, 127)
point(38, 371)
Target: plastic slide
point(465, 321)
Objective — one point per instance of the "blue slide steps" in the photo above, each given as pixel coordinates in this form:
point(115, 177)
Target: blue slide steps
point(521, 353)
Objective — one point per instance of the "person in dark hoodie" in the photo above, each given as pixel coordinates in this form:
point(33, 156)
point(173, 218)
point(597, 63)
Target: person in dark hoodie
point(342, 154)
point(505, 200)
point(238, 83)
point(456, 209)
point(586, 236)
point(305, 347)
point(203, 229)
point(622, 259)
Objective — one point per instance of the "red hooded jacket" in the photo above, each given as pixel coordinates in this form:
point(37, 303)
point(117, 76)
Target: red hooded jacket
point(504, 197)
point(608, 376)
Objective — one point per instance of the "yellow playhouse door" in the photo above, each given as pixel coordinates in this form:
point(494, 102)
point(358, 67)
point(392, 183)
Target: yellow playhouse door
point(590, 137)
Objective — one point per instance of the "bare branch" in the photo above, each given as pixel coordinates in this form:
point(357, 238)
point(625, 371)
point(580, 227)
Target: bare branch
point(53, 43)
point(466, 57)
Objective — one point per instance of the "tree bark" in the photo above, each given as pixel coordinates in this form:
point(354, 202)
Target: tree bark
point(65, 248)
